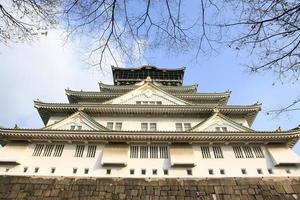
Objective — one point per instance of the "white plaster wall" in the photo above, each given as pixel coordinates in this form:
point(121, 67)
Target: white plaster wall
point(64, 165)
point(134, 123)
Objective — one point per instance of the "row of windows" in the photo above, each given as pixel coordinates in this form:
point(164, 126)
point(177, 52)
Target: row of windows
point(217, 152)
point(247, 152)
point(149, 152)
point(90, 152)
point(148, 126)
point(154, 171)
point(48, 150)
point(148, 102)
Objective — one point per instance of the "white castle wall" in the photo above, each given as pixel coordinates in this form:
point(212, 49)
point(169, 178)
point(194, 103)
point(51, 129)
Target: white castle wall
point(64, 165)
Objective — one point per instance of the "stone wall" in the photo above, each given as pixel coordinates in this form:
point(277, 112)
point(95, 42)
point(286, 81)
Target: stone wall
point(12, 187)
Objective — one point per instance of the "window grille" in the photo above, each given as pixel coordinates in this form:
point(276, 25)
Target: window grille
point(38, 150)
point(48, 150)
point(152, 126)
point(258, 152)
point(91, 151)
point(238, 152)
point(110, 125)
point(187, 126)
point(144, 126)
point(72, 127)
point(205, 152)
point(79, 151)
point(163, 152)
point(218, 129)
point(134, 151)
point(210, 171)
point(118, 126)
point(143, 151)
point(153, 151)
point(217, 152)
point(79, 127)
point(159, 103)
point(138, 102)
point(224, 129)
point(58, 150)
point(248, 152)
point(178, 126)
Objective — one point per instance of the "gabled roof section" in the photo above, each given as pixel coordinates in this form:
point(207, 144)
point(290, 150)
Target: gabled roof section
point(77, 119)
point(190, 89)
point(148, 92)
point(219, 120)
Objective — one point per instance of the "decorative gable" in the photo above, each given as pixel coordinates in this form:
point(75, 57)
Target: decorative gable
point(77, 121)
point(148, 93)
point(220, 123)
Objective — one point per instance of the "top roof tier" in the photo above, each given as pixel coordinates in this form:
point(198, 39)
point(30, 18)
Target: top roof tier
point(164, 76)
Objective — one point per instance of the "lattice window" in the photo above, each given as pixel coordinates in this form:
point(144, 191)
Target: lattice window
point(79, 151)
point(187, 126)
point(118, 126)
point(134, 151)
point(248, 152)
point(178, 126)
point(144, 126)
point(58, 150)
point(48, 150)
point(110, 125)
point(163, 152)
point(258, 152)
point(91, 151)
point(38, 150)
point(153, 151)
point(238, 152)
point(205, 152)
point(143, 151)
point(152, 126)
point(217, 152)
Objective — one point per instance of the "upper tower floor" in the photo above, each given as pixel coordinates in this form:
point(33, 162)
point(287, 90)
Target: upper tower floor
point(131, 76)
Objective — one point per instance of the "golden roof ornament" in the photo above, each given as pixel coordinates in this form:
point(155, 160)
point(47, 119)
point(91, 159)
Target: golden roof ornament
point(148, 79)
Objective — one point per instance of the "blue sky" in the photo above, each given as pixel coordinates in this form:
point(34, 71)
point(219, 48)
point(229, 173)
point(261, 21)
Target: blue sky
point(43, 70)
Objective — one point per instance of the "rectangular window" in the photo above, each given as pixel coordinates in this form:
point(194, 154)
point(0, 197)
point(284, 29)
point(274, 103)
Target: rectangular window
point(118, 126)
point(159, 103)
point(86, 171)
point(163, 152)
point(218, 129)
point(79, 127)
point(152, 126)
point(110, 125)
point(258, 152)
point(144, 126)
point(79, 151)
point(154, 171)
point(288, 171)
point(211, 172)
point(72, 127)
point(205, 152)
point(259, 171)
point(224, 129)
point(153, 151)
point(58, 150)
point(38, 150)
point(48, 150)
point(7, 170)
point(108, 171)
point(138, 102)
point(238, 152)
point(74, 170)
point(189, 172)
point(222, 171)
point(248, 152)
point(270, 171)
point(243, 171)
point(53, 170)
point(166, 172)
point(178, 126)
point(217, 152)
point(36, 170)
point(91, 151)
point(134, 151)
point(143, 172)
point(143, 151)
point(131, 171)
point(187, 126)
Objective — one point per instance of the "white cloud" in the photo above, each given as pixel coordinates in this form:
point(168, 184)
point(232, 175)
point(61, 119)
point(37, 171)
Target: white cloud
point(41, 70)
